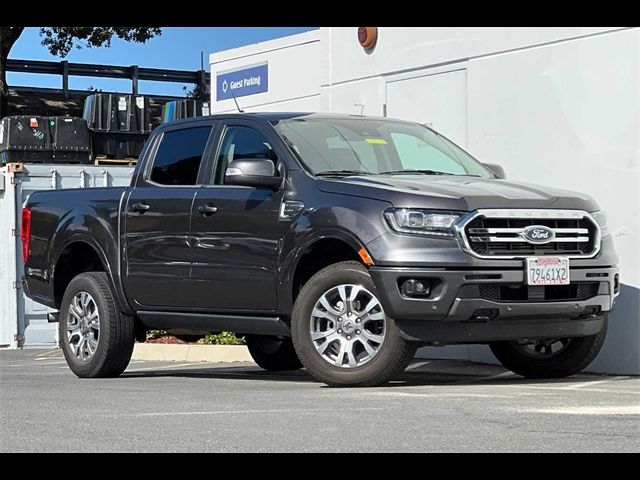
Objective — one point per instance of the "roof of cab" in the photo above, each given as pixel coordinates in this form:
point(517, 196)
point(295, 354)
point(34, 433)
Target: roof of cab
point(277, 116)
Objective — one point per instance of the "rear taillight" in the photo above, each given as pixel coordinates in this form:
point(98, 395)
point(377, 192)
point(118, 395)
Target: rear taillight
point(25, 233)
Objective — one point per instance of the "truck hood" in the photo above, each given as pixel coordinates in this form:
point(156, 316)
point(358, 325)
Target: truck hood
point(450, 192)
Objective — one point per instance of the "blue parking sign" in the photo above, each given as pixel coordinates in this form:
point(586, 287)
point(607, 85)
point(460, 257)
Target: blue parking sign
point(242, 82)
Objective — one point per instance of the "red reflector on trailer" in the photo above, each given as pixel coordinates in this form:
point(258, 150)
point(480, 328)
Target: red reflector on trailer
point(25, 233)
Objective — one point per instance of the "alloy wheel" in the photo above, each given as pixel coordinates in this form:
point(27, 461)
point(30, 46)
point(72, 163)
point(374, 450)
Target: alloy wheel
point(348, 326)
point(83, 326)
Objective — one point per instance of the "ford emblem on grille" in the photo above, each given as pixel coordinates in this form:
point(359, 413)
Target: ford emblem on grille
point(538, 234)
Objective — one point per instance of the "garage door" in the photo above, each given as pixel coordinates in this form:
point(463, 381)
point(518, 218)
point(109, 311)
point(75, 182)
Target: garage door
point(438, 100)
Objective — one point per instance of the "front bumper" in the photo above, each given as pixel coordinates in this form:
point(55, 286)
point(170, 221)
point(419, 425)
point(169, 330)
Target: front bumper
point(457, 313)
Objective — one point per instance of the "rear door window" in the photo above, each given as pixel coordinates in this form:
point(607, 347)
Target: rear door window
point(179, 156)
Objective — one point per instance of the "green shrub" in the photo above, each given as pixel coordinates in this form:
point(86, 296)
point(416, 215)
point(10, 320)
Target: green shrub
point(223, 338)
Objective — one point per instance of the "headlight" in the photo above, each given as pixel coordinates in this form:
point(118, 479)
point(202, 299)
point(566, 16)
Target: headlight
point(421, 222)
point(601, 220)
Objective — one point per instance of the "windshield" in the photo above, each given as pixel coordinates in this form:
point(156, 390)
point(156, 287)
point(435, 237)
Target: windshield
point(375, 146)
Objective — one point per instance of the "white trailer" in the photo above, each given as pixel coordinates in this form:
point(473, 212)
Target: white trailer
point(22, 321)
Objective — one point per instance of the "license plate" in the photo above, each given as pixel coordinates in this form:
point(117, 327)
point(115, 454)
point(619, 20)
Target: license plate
point(547, 271)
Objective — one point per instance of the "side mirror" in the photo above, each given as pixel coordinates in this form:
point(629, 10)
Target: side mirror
point(496, 169)
point(252, 172)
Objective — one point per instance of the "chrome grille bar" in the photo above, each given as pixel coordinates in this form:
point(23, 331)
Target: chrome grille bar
point(522, 240)
point(518, 230)
point(492, 242)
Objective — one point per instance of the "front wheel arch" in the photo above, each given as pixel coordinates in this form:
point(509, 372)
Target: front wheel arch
point(392, 357)
point(317, 253)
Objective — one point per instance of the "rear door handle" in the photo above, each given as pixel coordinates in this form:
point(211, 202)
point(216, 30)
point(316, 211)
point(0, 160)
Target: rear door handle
point(140, 207)
point(207, 209)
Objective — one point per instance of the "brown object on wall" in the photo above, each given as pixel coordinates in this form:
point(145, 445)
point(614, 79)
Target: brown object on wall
point(367, 36)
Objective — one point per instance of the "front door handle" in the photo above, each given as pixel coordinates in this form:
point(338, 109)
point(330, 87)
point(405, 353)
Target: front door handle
point(140, 207)
point(207, 209)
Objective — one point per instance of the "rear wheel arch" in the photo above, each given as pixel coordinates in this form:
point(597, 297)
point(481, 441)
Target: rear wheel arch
point(76, 256)
point(97, 339)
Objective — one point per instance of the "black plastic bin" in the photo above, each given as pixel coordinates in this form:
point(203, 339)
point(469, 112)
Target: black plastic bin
point(24, 139)
point(34, 139)
point(111, 112)
point(70, 139)
point(118, 144)
point(119, 124)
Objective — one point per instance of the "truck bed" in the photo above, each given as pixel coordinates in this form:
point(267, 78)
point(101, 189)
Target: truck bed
point(62, 217)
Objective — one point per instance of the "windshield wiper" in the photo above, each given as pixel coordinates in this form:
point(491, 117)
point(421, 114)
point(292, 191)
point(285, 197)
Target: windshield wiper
point(410, 171)
point(342, 173)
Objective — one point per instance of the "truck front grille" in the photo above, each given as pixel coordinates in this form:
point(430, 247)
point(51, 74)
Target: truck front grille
point(549, 293)
point(492, 233)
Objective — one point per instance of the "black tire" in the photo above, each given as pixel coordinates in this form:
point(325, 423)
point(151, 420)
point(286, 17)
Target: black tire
point(575, 357)
point(393, 356)
point(116, 337)
point(273, 353)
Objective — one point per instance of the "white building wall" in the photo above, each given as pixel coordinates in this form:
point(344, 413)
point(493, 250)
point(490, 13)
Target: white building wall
point(294, 74)
point(401, 50)
point(554, 105)
point(364, 96)
point(568, 115)
point(404, 48)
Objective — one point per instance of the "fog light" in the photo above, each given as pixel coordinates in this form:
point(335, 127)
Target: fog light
point(415, 288)
point(592, 310)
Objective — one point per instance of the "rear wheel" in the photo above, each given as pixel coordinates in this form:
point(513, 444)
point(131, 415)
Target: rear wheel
point(273, 353)
point(341, 332)
point(553, 358)
point(96, 337)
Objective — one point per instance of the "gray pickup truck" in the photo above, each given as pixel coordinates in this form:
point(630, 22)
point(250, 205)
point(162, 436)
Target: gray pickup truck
point(334, 242)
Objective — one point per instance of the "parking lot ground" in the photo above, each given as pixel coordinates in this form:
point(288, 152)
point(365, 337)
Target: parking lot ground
point(435, 406)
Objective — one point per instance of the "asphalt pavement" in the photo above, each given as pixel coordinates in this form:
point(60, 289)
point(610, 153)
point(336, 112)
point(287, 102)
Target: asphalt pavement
point(435, 406)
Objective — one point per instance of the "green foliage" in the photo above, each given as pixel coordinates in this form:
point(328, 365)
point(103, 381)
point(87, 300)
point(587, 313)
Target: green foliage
point(60, 40)
point(198, 92)
point(223, 338)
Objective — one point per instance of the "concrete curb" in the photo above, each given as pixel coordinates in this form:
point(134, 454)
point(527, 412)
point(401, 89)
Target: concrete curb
point(191, 353)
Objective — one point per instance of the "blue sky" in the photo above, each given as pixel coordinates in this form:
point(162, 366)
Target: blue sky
point(177, 48)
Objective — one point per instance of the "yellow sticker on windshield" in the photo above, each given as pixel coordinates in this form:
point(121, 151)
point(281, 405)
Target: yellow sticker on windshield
point(376, 141)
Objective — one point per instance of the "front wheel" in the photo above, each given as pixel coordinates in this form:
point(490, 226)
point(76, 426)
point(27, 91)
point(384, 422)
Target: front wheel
point(553, 358)
point(341, 332)
point(96, 337)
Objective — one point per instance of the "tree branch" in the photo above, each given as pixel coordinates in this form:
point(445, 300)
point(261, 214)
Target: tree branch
point(14, 34)
point(8, 37)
